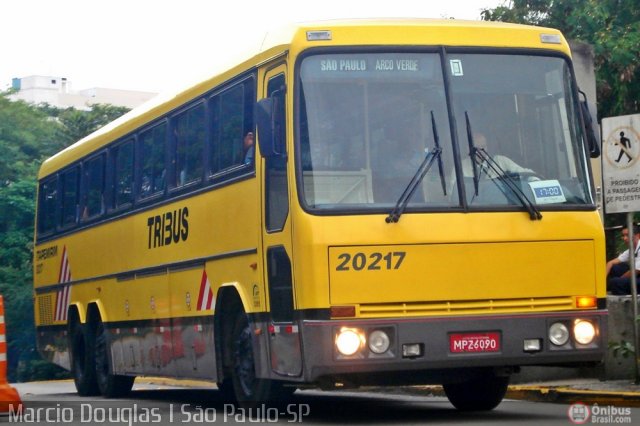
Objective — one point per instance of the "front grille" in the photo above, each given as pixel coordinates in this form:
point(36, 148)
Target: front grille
point(465, 307)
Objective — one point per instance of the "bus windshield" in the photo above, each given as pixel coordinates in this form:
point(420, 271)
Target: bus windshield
point(367, 121)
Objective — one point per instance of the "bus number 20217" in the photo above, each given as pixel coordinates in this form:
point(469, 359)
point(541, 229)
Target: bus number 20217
point(373, 262)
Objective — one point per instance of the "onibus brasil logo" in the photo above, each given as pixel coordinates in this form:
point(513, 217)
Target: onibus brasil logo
point(580, 413)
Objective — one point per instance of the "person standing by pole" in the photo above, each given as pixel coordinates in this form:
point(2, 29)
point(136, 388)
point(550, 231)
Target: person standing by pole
point(618, 269)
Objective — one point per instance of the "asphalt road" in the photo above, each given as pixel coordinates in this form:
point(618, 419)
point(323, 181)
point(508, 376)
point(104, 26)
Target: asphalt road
point(56, 402)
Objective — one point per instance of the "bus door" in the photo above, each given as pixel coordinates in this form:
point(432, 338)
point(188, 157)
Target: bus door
point(284, 338)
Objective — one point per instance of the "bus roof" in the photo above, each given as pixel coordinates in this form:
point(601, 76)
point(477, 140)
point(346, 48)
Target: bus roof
point(294, 38)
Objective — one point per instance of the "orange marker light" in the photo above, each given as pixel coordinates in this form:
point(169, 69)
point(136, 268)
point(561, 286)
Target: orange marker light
point(586, 302)
point(343, 311)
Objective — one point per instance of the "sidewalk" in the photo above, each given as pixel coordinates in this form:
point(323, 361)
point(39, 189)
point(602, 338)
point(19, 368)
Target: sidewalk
point(612, 392)
point(622, 393)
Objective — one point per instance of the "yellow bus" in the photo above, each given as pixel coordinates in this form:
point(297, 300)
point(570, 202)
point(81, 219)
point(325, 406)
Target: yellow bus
point(417, 208)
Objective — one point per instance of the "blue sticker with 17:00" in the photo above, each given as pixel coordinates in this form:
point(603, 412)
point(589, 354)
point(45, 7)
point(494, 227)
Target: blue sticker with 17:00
point(547, 191)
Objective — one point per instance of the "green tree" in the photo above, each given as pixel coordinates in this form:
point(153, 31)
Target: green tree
point(77, 124)
point(612, 27)
point(28, 135)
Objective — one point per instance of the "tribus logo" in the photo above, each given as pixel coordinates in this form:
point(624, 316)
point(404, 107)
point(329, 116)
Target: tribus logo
point(168, 228)
point(579, 413)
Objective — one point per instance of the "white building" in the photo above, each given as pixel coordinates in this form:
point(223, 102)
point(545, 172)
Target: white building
point(57, 92)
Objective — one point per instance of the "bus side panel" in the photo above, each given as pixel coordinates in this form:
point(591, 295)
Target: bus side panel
point(191, 332)
point(51, 340)
point(147, 272)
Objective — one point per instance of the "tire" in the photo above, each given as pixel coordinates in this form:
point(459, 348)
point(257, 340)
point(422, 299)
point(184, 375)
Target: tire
point(110, 385)
point(227, 394)
point(82, 361)
point(249, 390)
point(482, 393)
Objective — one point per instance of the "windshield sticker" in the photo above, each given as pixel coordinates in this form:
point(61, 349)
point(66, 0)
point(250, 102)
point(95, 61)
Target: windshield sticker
point(547, 191)
point(456, 67)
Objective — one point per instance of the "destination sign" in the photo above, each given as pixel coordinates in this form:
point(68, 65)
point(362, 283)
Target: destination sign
point(362, 65)
point(384, 64)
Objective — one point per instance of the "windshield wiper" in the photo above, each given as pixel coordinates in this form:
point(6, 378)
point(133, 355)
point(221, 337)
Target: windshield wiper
point(472, 154)
point(422, 171)
point(481, 156)
point(403, 201)
point(436, 141)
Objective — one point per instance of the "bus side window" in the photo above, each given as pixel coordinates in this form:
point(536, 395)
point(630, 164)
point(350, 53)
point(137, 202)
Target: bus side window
point(189, 139)
point(232, 118)
point(228, 111)
point(249, 149)
point(47, 206)
point(70, 199)
point(152, 161)
point(123, 176)
point(94, 184)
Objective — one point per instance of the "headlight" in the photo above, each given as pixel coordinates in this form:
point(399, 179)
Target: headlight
point(379, 342)
point(584, 332)
point(558, 334)
point(349, 341)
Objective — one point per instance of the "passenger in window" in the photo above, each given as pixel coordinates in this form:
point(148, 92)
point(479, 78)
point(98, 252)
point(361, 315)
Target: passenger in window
point(85, 210)
point(160, 181)
point(93, 205)
point(146, 186)
point(182, 177)
point(249, 148)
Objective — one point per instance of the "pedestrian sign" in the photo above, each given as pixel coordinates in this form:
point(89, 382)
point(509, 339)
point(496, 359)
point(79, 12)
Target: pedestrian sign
point(621, 163)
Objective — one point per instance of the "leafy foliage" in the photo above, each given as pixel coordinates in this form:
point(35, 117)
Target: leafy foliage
point(78, 124)
point(28, 135)
point(612, 27)
point(622, 348)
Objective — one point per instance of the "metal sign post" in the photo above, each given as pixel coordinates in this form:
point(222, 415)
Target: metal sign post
point(621, 169)
point(634, 293)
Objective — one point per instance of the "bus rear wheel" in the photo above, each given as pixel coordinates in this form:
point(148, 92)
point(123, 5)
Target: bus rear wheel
point(110, 385)
point(247, 388)
point(82, 361)
point(481, 393)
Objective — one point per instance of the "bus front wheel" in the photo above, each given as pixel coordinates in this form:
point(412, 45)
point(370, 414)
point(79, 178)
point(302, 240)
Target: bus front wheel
point(249, 389)
point(110, 385)
point(481, 393)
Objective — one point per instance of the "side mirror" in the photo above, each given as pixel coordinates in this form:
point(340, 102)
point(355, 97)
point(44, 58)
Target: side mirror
point(270, 121)
point(591, 130)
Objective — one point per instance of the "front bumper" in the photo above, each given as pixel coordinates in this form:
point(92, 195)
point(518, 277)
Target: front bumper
point(322, 361)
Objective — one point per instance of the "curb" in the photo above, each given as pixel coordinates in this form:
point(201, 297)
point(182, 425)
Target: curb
point(550, 394)
point(559, 394)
